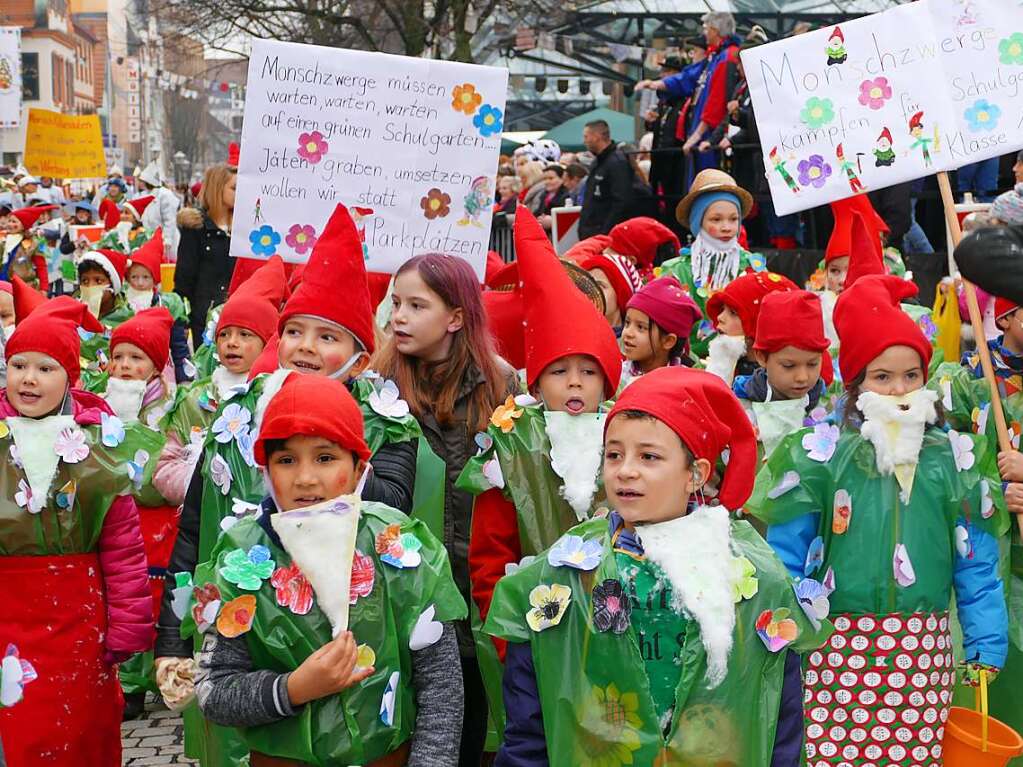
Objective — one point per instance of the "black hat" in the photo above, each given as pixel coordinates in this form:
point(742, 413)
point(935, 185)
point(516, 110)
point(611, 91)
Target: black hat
point(673, 63)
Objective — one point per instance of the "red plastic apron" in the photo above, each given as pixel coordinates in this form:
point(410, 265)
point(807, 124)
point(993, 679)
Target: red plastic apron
point(879, 692)
point(55, 612)
point(159, 526)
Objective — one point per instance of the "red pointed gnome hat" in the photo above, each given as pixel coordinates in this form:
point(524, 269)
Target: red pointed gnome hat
point(560, 320)
point(585, 248)
point(885, 134)
point(256, 305)
point(494, 265)
point(794, 318)
point(743, 296)
point(379, 282)
point(138, 206)
point(112, 263)
point(52, 329)
point(28, 216)
point(1003, 306)
point(312, 406)
point(149, 330)
point(506, 320)
point(267, 361)
point(701, 409)
point(110, 213)
point(334, 286)
point(26, 298)
point(640, 238)
point(869, 320)
point(243, 269)
point(837, 32)
point(857, 225)
point(150, 255)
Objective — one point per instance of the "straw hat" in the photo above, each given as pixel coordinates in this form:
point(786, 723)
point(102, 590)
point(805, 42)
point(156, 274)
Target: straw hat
point(712, 180)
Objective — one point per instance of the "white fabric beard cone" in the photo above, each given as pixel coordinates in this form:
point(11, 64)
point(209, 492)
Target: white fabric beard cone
point(224, 381)
point(321, 541)
point(695, 553)
point(577, 445)
point(777, 419)
point(895, 426)
point(125, 398)
point(723, 353)
point(35, 439)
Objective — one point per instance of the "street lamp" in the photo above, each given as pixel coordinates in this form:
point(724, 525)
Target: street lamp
point(181, 167)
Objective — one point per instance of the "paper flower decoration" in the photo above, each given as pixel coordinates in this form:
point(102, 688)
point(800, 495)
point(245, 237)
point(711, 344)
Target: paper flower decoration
point(427, 631)
point(902, 567)
point(982, 116)
point(181, 594)
point(1010, 49)
point(301, 238)
point(387, 402)
point(987, 503)
point(26, 500)
point(945, 384)
point(611, 607)
point(926, 324)
point(874, 93)
point(483, 441)
point(398, 549)
point(757, 262)
point(814, 556)
point(65, 497)
point(746, 583)
point(962, 537)
point(363, 577)
point(611, 721)
point(492, 472)
point(978, 416)
point(220, 472)
point(814, 171)
point(489, 121)
point(246, 442)
point(789, 481)
point(264, 241)
point(962, 449)
point(464, 98)
point(387, 700)
point(15, 673)
point(236, 616)
point(436, 204)
point(504, 416)
point(820, 444)
point(841, 512)
point(240, 510)
point(71, 446)
point(312, 146)
point(817, 112)
point(111, 430)
point(365, 657)
point(573, 551)
point(206, 606)
point(549, 605)
point(247, 569)
point(512, 567)
point(137, 468)
point(776, 629)
point(292, 590)
point(233, 421)
point(813, 598)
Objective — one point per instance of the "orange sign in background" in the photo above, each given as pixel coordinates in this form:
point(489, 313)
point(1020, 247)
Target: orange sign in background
point(64, 146)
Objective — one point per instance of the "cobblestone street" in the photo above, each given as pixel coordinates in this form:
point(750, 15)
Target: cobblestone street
point(155, 738)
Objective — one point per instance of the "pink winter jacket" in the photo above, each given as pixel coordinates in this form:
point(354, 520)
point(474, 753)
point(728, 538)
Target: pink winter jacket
point(122, 557)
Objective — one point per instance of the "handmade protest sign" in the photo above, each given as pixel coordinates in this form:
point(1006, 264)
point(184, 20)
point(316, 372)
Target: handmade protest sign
point(409, 145)
point(64, 146)
point(925, 87)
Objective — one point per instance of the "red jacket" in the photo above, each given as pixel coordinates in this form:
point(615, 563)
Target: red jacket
point(121, 554)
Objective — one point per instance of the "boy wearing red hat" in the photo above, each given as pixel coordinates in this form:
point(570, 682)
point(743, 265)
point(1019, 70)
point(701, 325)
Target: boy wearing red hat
point(795, 368)
point(125, 232)
point(24, 259)
point(661, 634)
point(883, 517)
point(325, 592)
point(618, 279)
point(71, 554)
point(659, 320)
point(646, 242)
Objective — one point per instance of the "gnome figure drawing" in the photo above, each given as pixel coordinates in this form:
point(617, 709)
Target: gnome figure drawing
point(836, 47)
point(779, 166)
point(916, 130)
point(851, 170)
point(476, 202)
point(884, 155)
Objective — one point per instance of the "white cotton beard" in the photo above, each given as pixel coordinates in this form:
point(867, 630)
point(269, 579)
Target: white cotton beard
point(125, 398)
point(896, 433)
point(123, 230)
point(224, 381)
point(714, 263)
point(320, 539)
point(723, 353)
point(695, 553)
point(139, 299)
point(577, 443)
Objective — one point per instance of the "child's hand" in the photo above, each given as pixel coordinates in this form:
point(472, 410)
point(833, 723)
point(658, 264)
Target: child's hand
point(1014, 498)
point(1010, 466)
point(327, 671)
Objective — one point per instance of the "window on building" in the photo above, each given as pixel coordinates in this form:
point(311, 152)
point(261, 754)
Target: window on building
point(30, 76)
point(58, 79)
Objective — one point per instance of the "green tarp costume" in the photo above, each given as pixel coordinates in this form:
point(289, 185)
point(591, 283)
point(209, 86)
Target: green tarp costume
point(593, 686)
point(346, 728)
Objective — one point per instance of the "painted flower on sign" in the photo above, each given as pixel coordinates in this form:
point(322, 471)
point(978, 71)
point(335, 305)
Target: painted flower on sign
point(264, 241)
point(312, 146)
point(464, 98)
point(489, 121)
point(817, 112)
point(435, 204)
point(875, 93)
point(814, 171)
point(301, 238)
point(1010, 49)
point(982, 116)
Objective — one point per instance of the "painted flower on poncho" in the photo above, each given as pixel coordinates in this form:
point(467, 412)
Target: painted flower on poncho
point(236, 616)
point(293, 590)
point(609, 725)
point(612, 608)
point(776, 629)
point(504, 416)
point(573, 551)
point(548, 605)
point(363, 577)
point(248, 570)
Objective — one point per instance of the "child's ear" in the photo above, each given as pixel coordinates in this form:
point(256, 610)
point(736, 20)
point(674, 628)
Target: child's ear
point(699, 474)
point(359, 366)
point(760, 357)
point(668, 341)
point(457, 320)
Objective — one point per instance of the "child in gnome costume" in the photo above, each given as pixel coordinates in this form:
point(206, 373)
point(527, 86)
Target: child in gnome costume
point(734, 312)
point(966, 399)
point(326, 330)
point(326, 593)
point(127, 234)
point(645, 241)
point(142, 290)
point(618, 278)
point(661, 634)
point(246, 324)
point(22, 254)
point(659, 320)
point(71, 553)
point(713, 210)
point(883, 518)
point(795, 367)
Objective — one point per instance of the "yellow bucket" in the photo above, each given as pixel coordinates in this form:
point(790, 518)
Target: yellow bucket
point(167, 277)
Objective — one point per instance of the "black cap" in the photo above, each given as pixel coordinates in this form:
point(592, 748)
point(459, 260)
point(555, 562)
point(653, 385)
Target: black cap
point(673, 63)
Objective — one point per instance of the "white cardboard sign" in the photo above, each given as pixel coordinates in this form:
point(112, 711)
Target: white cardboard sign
point(409, 145)
point(924, 87)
